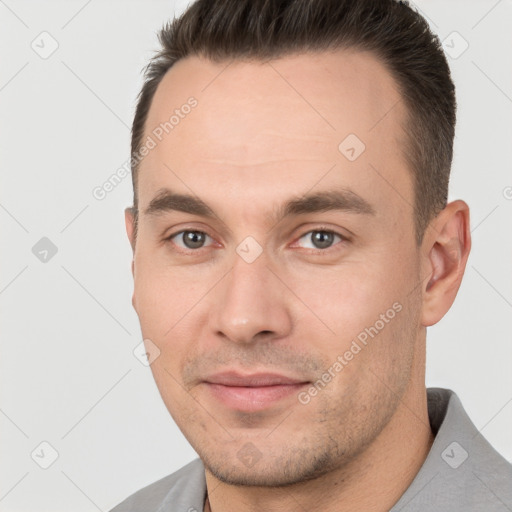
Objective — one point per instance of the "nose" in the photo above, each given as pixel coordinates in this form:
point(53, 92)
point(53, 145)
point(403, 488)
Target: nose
point(250, 304)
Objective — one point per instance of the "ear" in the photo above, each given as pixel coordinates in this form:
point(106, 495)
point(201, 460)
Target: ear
point(129, 220)
point(445, 251)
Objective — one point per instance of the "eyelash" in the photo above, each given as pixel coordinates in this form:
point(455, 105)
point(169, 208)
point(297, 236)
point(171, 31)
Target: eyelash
point(311, 251)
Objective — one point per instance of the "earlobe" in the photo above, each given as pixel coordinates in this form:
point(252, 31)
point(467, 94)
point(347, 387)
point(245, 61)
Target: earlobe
point(446, 251)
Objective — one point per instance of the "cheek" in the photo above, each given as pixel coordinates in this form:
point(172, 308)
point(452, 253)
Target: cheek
point(345, 300)
point(164, 294)
point(374, 320)
point(154, 303)
point(172, 314)
point(370, 314)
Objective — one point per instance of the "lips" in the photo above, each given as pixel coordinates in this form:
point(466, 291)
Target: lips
point(254, 380)
point(251, 393)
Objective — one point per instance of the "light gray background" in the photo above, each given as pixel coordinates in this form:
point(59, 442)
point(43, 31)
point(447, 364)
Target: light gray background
point(68, 374)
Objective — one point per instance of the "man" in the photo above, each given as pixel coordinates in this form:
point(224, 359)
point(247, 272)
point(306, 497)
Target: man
point(292, 242)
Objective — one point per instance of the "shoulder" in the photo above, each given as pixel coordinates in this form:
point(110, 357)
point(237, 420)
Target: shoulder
point(462, 471)
point(182, 490)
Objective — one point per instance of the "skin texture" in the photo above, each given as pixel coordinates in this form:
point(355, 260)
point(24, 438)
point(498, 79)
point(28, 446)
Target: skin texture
point(263, 133)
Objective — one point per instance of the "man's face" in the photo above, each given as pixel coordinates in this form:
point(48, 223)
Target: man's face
point(257, 287)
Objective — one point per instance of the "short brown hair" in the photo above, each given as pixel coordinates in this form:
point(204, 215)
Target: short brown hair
point(263, 29)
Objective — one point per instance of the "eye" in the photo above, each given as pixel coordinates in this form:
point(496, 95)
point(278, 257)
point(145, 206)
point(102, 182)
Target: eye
point(189, 240)
point(320, 239)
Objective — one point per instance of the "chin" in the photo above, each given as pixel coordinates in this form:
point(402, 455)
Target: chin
point(260, 471)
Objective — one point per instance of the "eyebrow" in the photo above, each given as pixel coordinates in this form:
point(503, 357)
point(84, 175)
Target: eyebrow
point(339, 199)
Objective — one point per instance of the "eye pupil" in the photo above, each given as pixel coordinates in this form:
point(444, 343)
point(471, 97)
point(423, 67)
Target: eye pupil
point(193, 239)
point(322, 239)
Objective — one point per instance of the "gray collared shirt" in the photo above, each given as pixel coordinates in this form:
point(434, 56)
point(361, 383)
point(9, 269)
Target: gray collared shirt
point(462, 472)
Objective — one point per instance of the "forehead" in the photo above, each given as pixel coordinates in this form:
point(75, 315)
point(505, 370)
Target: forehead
point(262, 125)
